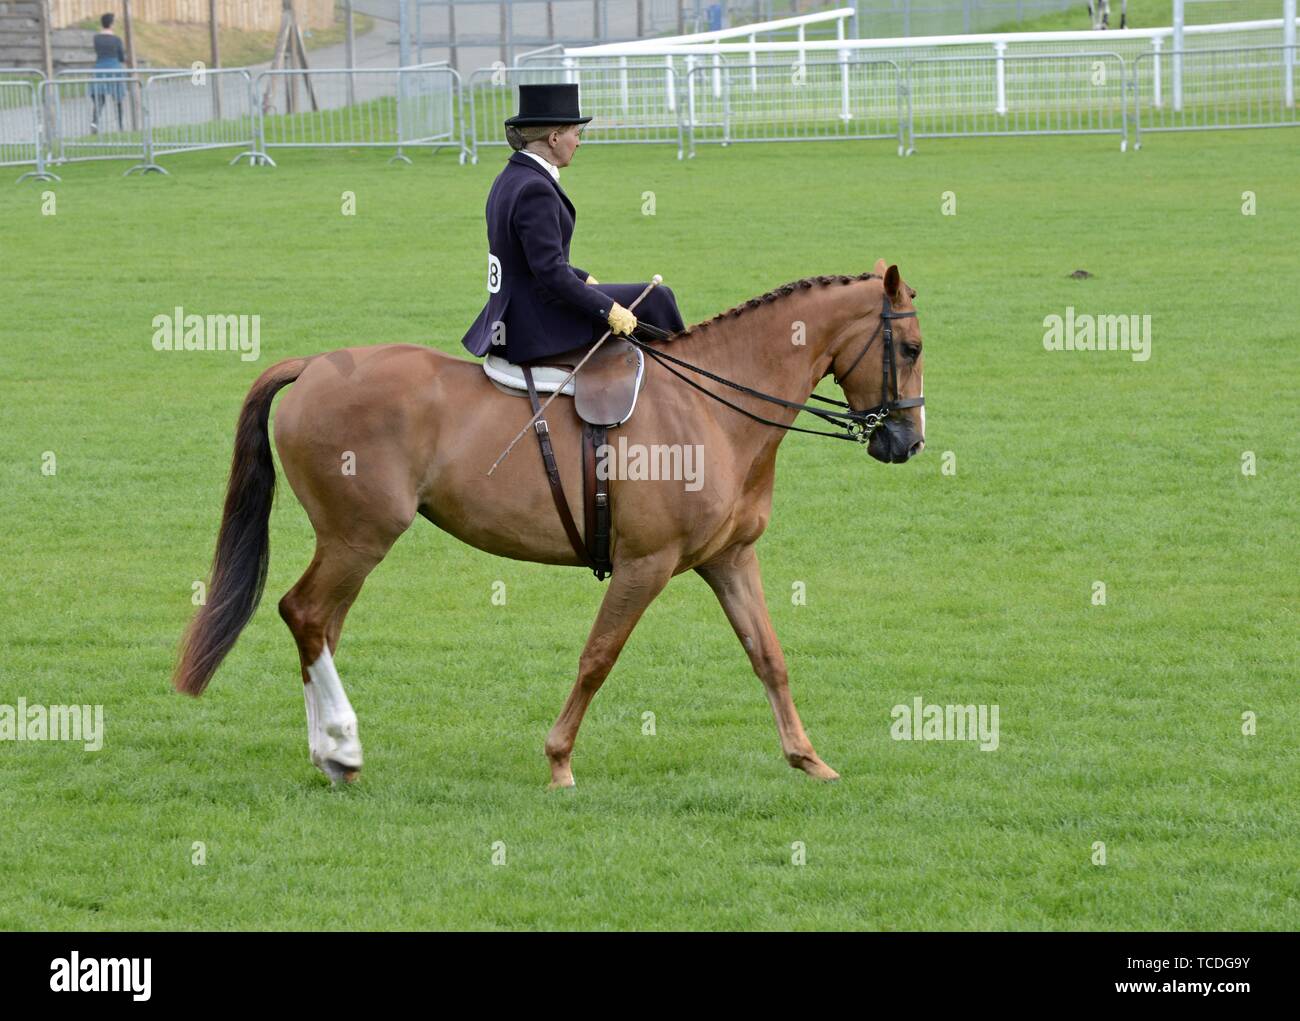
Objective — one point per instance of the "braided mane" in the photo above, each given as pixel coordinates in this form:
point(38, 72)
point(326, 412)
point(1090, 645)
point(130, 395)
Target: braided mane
point(785, 290)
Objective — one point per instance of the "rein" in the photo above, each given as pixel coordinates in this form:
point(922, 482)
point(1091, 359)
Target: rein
point(854, 425)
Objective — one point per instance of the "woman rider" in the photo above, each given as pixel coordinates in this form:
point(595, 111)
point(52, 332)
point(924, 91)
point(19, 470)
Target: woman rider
point(538, 305)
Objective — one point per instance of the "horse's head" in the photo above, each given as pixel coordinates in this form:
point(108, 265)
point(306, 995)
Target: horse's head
point(878, 365)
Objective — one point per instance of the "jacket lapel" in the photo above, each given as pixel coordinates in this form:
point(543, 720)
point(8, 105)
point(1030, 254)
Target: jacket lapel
point(531, 164)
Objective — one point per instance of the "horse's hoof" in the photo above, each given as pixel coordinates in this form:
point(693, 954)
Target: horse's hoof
point(566, 784)
point(338, 772)
point(817, 769)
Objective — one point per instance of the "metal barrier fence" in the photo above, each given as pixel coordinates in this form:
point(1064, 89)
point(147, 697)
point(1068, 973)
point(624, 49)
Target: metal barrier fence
point(22, 74)
point(95, 117)
point(813, 101)
point(637, 105)
point(21, 135)
point(204, 109)
point(98, 115)
point(398, 108)
point(143, 115)
point(1045, 94)
point(1243, 87)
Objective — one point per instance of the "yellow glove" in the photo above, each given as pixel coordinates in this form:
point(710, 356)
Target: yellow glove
point(591, 279)
point(621, 320)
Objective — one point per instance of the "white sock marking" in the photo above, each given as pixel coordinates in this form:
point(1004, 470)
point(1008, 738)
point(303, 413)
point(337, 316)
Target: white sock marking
point(331, 722)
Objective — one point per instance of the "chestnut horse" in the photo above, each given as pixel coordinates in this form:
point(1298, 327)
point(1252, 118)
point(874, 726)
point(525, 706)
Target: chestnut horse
point(370, 437)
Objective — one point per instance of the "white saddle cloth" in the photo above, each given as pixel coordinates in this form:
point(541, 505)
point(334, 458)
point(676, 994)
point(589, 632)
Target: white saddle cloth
point(546, 379)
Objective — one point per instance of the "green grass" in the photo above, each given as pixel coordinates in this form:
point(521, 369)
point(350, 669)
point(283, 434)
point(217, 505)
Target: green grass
point(1119, 724)
point(1150, 14)
point(1140, 14)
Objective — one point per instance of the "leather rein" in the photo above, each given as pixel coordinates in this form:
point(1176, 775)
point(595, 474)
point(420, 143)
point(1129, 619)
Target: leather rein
point(854, 425)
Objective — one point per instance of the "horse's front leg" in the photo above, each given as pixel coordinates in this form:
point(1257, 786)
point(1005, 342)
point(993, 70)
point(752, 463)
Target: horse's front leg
point(735, 580)
point(632, 588)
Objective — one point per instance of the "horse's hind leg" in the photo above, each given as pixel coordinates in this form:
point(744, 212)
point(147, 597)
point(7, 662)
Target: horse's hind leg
point(736, 581)
point(314, 609)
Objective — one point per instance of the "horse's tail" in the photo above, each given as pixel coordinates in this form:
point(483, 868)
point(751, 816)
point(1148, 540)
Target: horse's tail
point(243, 543)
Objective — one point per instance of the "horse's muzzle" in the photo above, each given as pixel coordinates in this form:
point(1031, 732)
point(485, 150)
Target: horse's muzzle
point(894, 441)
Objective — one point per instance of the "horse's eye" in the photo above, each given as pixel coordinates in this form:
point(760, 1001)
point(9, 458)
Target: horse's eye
point(912, 351)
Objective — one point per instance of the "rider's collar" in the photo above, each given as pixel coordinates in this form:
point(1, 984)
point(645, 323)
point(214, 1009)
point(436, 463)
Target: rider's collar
point(549, 167)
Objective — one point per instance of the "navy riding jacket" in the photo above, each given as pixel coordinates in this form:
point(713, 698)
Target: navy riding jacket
point(537, 303)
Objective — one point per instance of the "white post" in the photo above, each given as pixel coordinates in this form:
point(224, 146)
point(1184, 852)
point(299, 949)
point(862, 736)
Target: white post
point(668, 82)
point(802, 40)
point(350, 53)
point(1177, 56)
point(844, 73)
point(1157, 100)
point(403, 35)
point(568, 70)
point(622, 81)
point(845, 114)
point(753, 60)
point(1288, 55)
point(690, 91)
point(1000, 48)
point(717, 74)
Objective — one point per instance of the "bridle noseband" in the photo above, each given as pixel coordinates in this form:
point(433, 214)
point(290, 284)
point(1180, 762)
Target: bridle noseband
point(855, 425)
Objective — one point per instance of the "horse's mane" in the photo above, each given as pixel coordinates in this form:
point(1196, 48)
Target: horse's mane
point(785, 290)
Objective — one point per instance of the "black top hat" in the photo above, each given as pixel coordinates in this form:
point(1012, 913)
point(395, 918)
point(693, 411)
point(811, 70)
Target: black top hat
point(548, 104)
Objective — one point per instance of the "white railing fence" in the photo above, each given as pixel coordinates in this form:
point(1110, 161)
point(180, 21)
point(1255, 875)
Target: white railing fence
point(818, 100)
point(1024, 94)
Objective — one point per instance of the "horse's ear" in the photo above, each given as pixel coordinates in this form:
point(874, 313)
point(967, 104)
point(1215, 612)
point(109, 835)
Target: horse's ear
point(880, 268)
point(892, 282)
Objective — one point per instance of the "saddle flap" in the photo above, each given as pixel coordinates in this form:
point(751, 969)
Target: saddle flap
point(607, 386)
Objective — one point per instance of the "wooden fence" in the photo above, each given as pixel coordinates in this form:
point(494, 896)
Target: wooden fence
point(262, 15)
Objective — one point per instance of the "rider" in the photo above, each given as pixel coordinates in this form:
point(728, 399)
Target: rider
point(538, 305)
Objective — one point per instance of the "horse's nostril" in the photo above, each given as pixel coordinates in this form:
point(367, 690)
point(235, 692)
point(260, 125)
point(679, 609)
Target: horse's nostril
point(915, 448)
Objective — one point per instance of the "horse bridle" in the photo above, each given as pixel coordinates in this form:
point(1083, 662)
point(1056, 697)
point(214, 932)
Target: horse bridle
point(856, 425)
point(889, 399)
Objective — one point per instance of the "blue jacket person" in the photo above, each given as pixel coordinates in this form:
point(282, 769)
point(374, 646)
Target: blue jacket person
point(538, 304)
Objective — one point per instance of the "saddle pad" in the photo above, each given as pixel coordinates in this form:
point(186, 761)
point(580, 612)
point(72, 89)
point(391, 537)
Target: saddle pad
point(547, 379)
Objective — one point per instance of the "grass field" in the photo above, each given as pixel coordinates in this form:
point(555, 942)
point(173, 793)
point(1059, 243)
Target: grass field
point(1119, 724)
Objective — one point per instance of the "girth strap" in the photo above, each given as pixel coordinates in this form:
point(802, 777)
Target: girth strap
point(595, 488)
point(553, 473)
